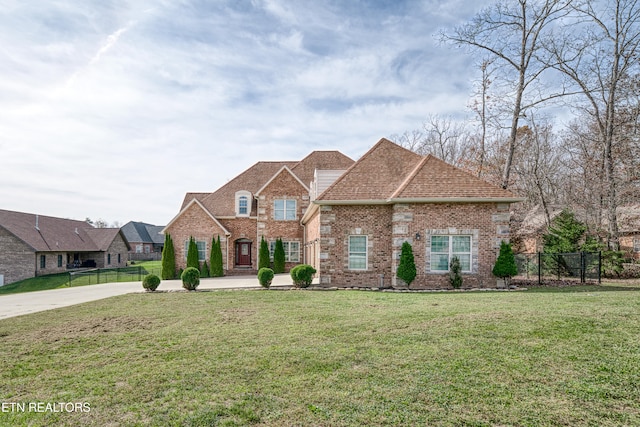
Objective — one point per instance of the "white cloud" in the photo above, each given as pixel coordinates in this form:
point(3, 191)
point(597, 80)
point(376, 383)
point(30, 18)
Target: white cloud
point(116, 110)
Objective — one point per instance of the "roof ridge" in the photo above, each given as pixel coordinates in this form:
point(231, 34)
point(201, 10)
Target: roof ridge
point(410, 176)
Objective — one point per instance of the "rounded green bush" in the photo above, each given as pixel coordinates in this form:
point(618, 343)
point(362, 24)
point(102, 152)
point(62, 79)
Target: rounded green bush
point(302, 275)
point(265, 276)
point(190, 278)
point(151, 282)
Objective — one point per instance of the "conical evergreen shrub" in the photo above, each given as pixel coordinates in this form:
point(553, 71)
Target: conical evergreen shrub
point(263, 255)
point(217, 266)
point(278, 257)
point(193, 259)
point(168, 259)
point(407, 267)
point(505, 267)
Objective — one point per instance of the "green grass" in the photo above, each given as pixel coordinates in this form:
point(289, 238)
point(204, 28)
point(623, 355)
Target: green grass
point(61, 280)
point(273, 358)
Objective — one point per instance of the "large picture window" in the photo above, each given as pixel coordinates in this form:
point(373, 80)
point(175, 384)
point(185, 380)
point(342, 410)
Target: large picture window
point(357, 252)
point(284, 210)
point(291, 251)
point(443, 248)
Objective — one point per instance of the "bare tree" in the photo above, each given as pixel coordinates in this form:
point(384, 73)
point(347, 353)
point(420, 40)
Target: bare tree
point(512, 33)
point(597, 56)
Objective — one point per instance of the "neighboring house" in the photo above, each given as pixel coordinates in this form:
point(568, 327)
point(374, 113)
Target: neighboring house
point(267, 200)
point(33, 245)
point(534, 226)
point(145, 240)
point(629, 229)
point(355, 228)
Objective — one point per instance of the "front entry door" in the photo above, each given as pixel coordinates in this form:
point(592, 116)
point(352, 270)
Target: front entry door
point(243, 254)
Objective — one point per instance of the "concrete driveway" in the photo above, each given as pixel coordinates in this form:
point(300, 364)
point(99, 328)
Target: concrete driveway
point(31, 302)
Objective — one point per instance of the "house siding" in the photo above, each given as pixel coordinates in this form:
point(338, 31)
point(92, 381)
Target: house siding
point(18, 260)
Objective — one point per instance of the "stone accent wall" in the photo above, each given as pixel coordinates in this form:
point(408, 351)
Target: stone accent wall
point(17, 260)
point(337, 223)
point(312, 245)
point(388, 226)
point(283, 186)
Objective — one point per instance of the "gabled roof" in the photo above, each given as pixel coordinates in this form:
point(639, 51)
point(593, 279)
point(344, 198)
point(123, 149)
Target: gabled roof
point(284, 169)
point(221, 202)
point(45, 233)
point(333, 160)
point(388, 173)
point(199, 204)
point(142, 232)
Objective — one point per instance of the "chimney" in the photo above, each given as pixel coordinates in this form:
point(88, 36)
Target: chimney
point(77, 230)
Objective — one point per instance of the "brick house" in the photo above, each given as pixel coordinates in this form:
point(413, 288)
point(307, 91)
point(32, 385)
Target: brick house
point(33, 245)
point(267, 200)
point(144, 239)
point(354, 228)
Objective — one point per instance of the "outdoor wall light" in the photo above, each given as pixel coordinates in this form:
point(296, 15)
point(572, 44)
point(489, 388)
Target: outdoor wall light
point(417, 236)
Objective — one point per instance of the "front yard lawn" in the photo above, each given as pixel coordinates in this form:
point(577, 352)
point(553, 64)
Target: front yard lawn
point(344, 358)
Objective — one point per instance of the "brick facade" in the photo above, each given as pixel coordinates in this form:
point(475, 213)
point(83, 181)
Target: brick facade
point(17, 261)
point(388, 226)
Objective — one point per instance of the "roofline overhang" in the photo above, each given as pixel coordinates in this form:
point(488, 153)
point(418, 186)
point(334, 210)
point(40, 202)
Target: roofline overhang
point(421, 200)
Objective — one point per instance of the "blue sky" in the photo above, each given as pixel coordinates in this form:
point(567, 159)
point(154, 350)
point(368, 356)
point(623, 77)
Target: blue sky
point(116, 109)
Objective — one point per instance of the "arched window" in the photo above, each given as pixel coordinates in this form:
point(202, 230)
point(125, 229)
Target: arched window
point(243, 203)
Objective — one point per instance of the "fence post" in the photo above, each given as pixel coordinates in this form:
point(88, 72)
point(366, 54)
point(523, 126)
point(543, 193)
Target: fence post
point(139, 273)
point(539, 268)
point(98, 278)
point(583, 267)
point(599, 267)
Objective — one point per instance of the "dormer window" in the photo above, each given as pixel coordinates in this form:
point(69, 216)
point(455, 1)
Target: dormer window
point(243, 203)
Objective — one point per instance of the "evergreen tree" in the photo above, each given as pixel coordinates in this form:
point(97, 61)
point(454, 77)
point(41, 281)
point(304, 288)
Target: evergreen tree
point(278, 257)
point(505, 267)
point(565, 234)
point(204, 271)
point(168, 259)
point(193, 260)
point(407, 267)
point(263, 255)
point(217, 265)
point(455, 273)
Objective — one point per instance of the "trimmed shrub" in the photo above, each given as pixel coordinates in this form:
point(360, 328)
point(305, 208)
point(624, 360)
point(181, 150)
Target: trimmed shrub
point(204, 271)
point(455, 273)
point(151, 282)
point(263, 256)
point(505, 267)
point(168, 259)
point(278, 257)
point(302, 275)
point(217, 267)
point(190, 278)
point(193, 260)
point(265, 277)
point(407, 267)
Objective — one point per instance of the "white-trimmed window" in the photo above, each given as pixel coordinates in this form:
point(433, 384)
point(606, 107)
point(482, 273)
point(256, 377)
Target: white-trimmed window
point(284, 209)
point(443, 248)
point(202, 249)
point(138, 249)
point(243, 203)
point(358, 252)
point(291, 251)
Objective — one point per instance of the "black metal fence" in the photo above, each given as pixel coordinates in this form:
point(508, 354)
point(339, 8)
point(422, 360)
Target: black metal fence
point(543, 267)
point(109, 275)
